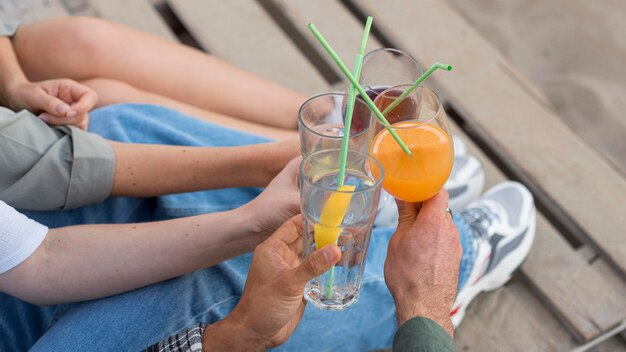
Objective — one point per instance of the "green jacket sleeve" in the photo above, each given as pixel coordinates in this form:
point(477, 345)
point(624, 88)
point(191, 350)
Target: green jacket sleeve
point(51, 168)
point(422, 335)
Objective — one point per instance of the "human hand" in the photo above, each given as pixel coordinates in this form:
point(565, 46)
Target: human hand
point(57, 101)
point(272, 303)
point(423, 258)
point(278, 202)
point(278, 156)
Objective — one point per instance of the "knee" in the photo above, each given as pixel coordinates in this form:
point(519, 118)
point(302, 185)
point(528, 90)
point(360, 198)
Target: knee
point(77, 42)
point(87, 35)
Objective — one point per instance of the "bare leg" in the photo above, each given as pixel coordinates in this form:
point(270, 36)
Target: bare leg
point(113, 92)
point(86, 48)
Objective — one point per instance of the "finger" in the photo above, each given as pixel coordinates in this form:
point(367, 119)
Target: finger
point(50, 104)
point(85, 99)
point(64, 91)
point(314, 265)
point(407, 213)
point(60, 120)
point(289, 231)
point(437, 205)
point(297, 246)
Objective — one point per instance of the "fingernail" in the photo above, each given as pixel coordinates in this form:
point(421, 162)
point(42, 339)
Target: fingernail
point(329, 253)
point(72, 113)
point(44, 117)
point(63, 108)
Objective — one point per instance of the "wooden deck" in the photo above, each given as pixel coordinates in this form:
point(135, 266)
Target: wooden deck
point(570, 294)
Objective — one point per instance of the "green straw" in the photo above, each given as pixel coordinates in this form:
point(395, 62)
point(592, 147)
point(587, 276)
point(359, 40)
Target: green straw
point(358, 64)
point(433, 68)
point(355, 83)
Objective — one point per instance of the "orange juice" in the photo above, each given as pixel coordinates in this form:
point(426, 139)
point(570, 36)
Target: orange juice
point(416, 177)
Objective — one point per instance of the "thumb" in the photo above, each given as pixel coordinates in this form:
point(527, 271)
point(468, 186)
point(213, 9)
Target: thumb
point(50, 104)
point(407, 213)
point(315, 265)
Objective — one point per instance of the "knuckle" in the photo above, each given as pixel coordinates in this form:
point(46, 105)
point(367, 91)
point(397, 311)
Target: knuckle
point(313, 265)
point(259, 249)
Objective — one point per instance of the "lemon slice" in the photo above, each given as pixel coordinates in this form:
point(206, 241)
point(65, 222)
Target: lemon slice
point(327, 230)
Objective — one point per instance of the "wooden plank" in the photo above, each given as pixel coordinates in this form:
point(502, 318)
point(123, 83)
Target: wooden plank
point(342, 30)
point(241, 32)
point(584, 300)
point(568, 171)
point(600, 267)
point(511, 319)
point(139, 14)
point(586, 96)
point(614, 344)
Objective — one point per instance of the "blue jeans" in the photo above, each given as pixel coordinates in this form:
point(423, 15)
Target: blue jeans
point(133, 320)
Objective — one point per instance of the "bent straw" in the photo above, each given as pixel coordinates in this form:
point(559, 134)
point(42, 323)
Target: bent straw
point(358, 63)
point(320, 38)
point(422, 78)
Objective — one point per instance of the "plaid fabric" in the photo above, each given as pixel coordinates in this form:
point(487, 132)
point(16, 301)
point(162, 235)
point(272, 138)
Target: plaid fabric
point(189, 340)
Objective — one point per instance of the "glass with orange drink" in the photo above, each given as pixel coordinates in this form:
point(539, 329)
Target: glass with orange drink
point(420, 121)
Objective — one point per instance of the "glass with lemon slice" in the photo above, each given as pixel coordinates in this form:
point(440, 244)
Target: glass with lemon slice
point(342, 215)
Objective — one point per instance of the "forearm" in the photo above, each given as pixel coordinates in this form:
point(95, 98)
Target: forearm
point(152, 170)
point(86, 262)
point(11, 74)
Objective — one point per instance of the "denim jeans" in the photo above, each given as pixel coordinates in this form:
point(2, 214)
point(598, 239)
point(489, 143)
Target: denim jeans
point(134, 320)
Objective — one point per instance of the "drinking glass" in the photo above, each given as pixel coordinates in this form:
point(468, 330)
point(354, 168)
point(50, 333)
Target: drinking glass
point(321, 123)
point(338, 215)
point(385, 68)
point(420, 121)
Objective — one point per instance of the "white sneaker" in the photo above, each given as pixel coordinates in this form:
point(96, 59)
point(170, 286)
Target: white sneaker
point(387, 215)
point(459, 146)
point(503, 223)
point(465, 183)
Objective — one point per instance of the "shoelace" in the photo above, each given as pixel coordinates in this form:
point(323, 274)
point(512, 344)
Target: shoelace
point(480, 220)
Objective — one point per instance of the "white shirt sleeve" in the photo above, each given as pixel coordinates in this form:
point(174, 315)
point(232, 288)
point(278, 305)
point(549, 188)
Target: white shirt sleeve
point(19, 237)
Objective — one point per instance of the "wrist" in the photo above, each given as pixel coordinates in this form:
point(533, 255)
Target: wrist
point(8, 88)
point(278, 156)
point(230, 334)
point(245, 219)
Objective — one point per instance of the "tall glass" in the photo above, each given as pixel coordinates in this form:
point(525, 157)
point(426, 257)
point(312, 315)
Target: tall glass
point(420, 121)
point(343, 216)
point(321, 124)
point(385, 68)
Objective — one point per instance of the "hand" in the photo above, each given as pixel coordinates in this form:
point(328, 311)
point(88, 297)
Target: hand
point(280, 201)
point(279, 155)
point(272, 303)
point(422, 265)
point(57, 101)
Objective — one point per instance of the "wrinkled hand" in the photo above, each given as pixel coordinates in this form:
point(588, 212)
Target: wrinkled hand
point(272, 303)
point(279, 201)
point(57, 101)
point(422, 265)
